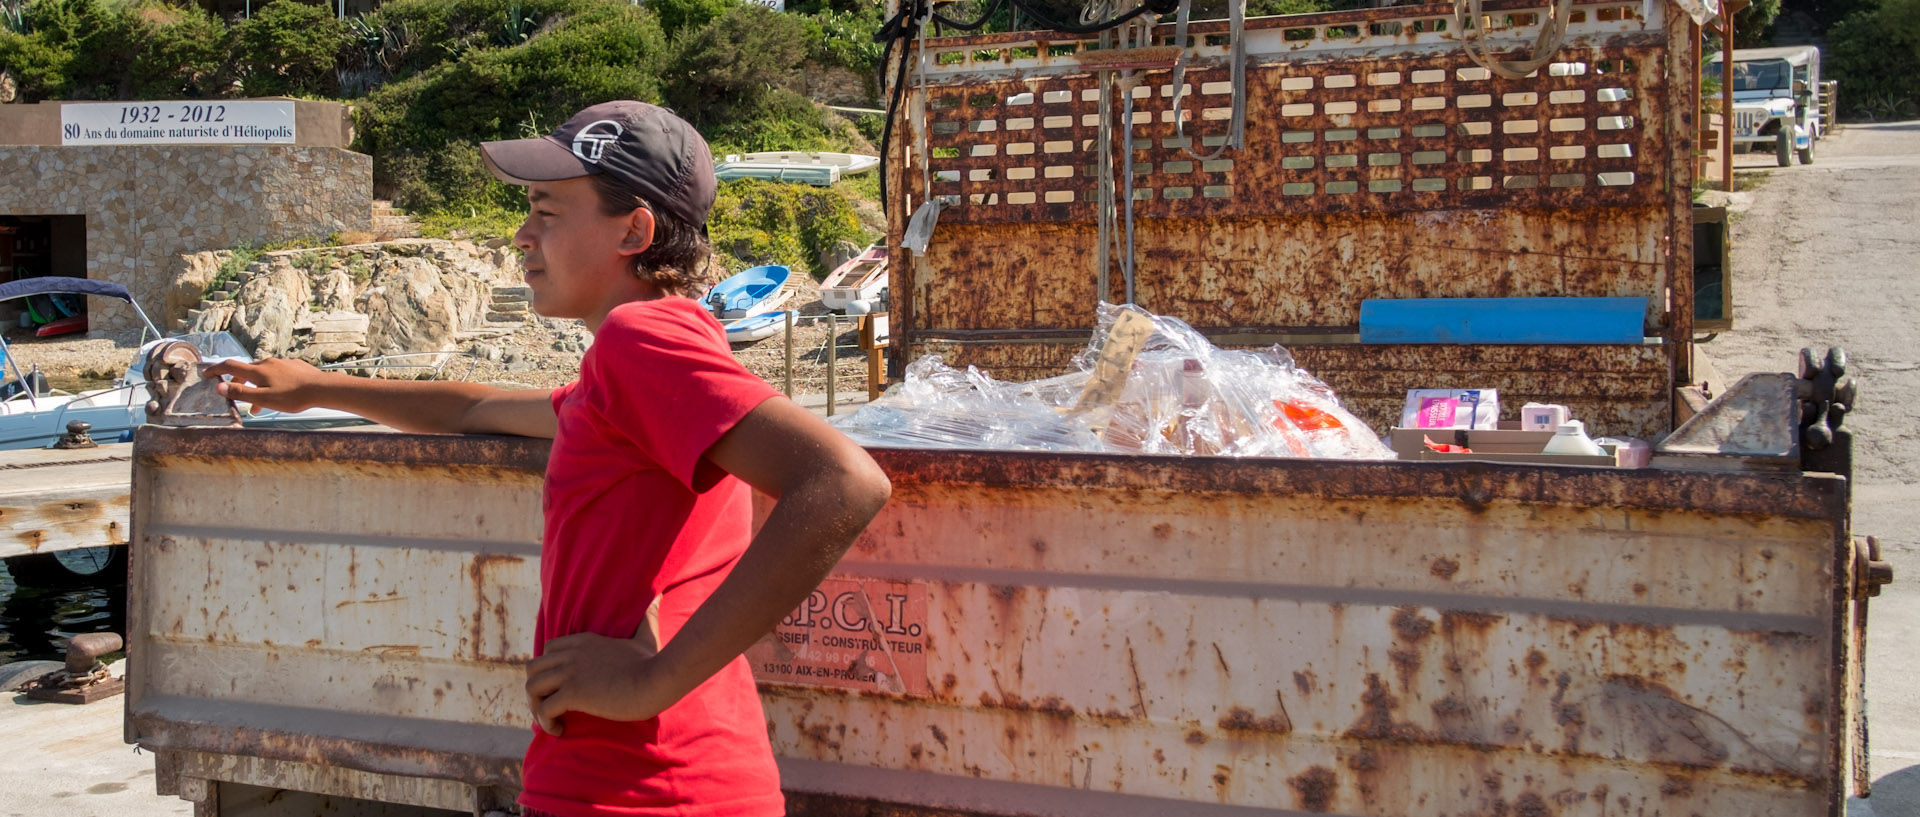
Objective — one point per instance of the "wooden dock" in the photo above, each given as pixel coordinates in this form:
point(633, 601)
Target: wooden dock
point(53, 500)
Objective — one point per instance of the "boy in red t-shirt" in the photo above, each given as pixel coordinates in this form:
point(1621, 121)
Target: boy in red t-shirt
point(650, 587)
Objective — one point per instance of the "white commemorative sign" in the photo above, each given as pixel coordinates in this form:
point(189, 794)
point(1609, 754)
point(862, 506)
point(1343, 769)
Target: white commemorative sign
point(194, 122)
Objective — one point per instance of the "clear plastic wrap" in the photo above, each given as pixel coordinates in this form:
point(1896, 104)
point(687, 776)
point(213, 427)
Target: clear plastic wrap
point(1180, 396)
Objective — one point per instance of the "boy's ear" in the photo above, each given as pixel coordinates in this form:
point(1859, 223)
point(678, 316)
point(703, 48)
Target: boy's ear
point(639, 232)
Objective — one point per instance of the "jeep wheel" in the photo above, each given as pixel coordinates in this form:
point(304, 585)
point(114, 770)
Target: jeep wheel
point(1783, 148)
point(1806, 155)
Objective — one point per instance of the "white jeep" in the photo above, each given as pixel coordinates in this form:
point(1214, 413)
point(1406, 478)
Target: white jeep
point(1776, 100)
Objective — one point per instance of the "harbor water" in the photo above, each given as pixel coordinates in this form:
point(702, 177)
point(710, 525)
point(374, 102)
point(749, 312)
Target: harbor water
point(37, 616)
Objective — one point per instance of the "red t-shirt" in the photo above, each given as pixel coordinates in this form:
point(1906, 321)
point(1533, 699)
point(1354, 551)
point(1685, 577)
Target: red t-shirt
point(633, 511)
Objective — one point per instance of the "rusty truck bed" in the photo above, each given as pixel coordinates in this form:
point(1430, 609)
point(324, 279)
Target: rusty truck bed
point(1025, 633)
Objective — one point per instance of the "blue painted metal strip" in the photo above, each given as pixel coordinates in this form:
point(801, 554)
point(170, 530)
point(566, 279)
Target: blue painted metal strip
point(1503, 320)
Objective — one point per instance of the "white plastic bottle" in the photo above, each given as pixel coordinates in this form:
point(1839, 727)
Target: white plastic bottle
point(1571, 438)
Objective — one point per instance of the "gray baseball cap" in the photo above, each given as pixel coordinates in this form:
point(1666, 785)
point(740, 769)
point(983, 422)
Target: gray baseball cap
point(645, 147)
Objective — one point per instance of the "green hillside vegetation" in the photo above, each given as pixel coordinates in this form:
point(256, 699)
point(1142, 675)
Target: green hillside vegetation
point(1875, 53)
point(431, 79)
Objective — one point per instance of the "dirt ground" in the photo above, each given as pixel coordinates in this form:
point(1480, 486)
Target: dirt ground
point(1826, 255)
point(548, 357)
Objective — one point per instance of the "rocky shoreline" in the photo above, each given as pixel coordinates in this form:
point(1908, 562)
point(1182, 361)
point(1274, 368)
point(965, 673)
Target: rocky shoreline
point(455, 308)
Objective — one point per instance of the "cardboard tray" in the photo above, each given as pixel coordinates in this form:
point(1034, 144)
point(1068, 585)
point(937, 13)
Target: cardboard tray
point(1492, 445)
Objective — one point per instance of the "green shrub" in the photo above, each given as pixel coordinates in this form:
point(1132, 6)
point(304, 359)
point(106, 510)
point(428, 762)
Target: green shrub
point(782, 120)
point(182, 53)
point(423, 132)
point(38, 65)
point(289, 48)
point(405, 37)
point(845, 38)
point(758, 222)
point(1753, 25)
point(677, 16)
point(71, 49)
point(243, 257)
point(725, 73)
point(477, 223)
point(104, 49)
point(1875, 53)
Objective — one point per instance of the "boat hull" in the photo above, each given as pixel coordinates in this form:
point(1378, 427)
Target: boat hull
point(758, 327)
point(860, 279)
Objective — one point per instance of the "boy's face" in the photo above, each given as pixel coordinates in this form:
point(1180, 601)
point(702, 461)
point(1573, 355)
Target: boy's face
point(574, 264)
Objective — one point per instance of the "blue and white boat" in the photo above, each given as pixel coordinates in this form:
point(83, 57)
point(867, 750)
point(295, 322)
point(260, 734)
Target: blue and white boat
point(757, 327)
point(754, 291)
point(32, 415)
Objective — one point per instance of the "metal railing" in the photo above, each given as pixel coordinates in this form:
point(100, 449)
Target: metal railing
point(830, 349)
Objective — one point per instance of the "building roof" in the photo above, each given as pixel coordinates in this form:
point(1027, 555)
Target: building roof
point(1793, 54)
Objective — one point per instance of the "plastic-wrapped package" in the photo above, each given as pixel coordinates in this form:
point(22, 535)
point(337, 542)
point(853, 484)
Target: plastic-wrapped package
point(1180, 396)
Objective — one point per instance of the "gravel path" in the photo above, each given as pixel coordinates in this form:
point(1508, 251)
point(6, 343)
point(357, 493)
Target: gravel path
point(1823, 255)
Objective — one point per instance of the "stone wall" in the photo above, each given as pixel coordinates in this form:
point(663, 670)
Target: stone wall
point(145, 205)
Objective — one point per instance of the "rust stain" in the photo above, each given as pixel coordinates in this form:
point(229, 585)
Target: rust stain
point(821, 735)
point(1409, 625)
point(1376, 721)
point(1444, 568)
point(1315, 788)
point(939, 736)
point(1529, 804)
point(480, 573)
point(1242, 719)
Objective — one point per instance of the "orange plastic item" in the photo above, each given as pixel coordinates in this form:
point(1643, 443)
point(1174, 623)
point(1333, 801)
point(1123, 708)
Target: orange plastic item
point(1306, 417)
point(1445, 448)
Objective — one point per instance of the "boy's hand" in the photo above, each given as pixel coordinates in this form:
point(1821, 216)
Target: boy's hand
point(275, 383)
point(601, 676)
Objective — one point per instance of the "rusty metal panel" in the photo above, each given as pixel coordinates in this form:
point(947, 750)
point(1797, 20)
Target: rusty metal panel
point(53, 500)
point(1029, 634)
point(1341, 134)
point(1285, 274)
point(1379, 163)
point(351, 600)
point(1128, 635)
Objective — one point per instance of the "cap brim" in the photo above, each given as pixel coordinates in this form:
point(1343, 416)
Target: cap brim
point(541, 159)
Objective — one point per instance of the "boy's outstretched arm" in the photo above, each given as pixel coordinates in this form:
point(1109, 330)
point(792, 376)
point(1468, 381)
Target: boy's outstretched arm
point(408, 405)
point(826, 489)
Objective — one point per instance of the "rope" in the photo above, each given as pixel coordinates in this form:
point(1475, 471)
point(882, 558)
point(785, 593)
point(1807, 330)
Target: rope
point(1103, 205)
point(1237, 56)
point(1553, 34)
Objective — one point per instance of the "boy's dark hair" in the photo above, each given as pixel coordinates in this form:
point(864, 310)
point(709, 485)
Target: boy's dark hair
point(676, 262)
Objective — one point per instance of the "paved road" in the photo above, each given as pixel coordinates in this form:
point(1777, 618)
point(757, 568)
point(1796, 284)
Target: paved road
point(1829, 254)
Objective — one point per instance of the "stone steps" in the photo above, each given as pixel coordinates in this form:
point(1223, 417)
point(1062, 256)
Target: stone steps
point(330, 336)
point(392, 221)
point(510, 305)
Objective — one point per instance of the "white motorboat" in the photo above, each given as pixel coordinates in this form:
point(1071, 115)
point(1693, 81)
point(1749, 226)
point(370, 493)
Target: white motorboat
point(807, 167)
point(35, 416)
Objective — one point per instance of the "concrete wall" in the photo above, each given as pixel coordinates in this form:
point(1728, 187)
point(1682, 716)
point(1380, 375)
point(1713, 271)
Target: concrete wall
point(144, 205)
point(315, 124)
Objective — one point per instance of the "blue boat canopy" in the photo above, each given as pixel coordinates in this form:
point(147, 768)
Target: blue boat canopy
point(67, 285)
point(63, 285)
